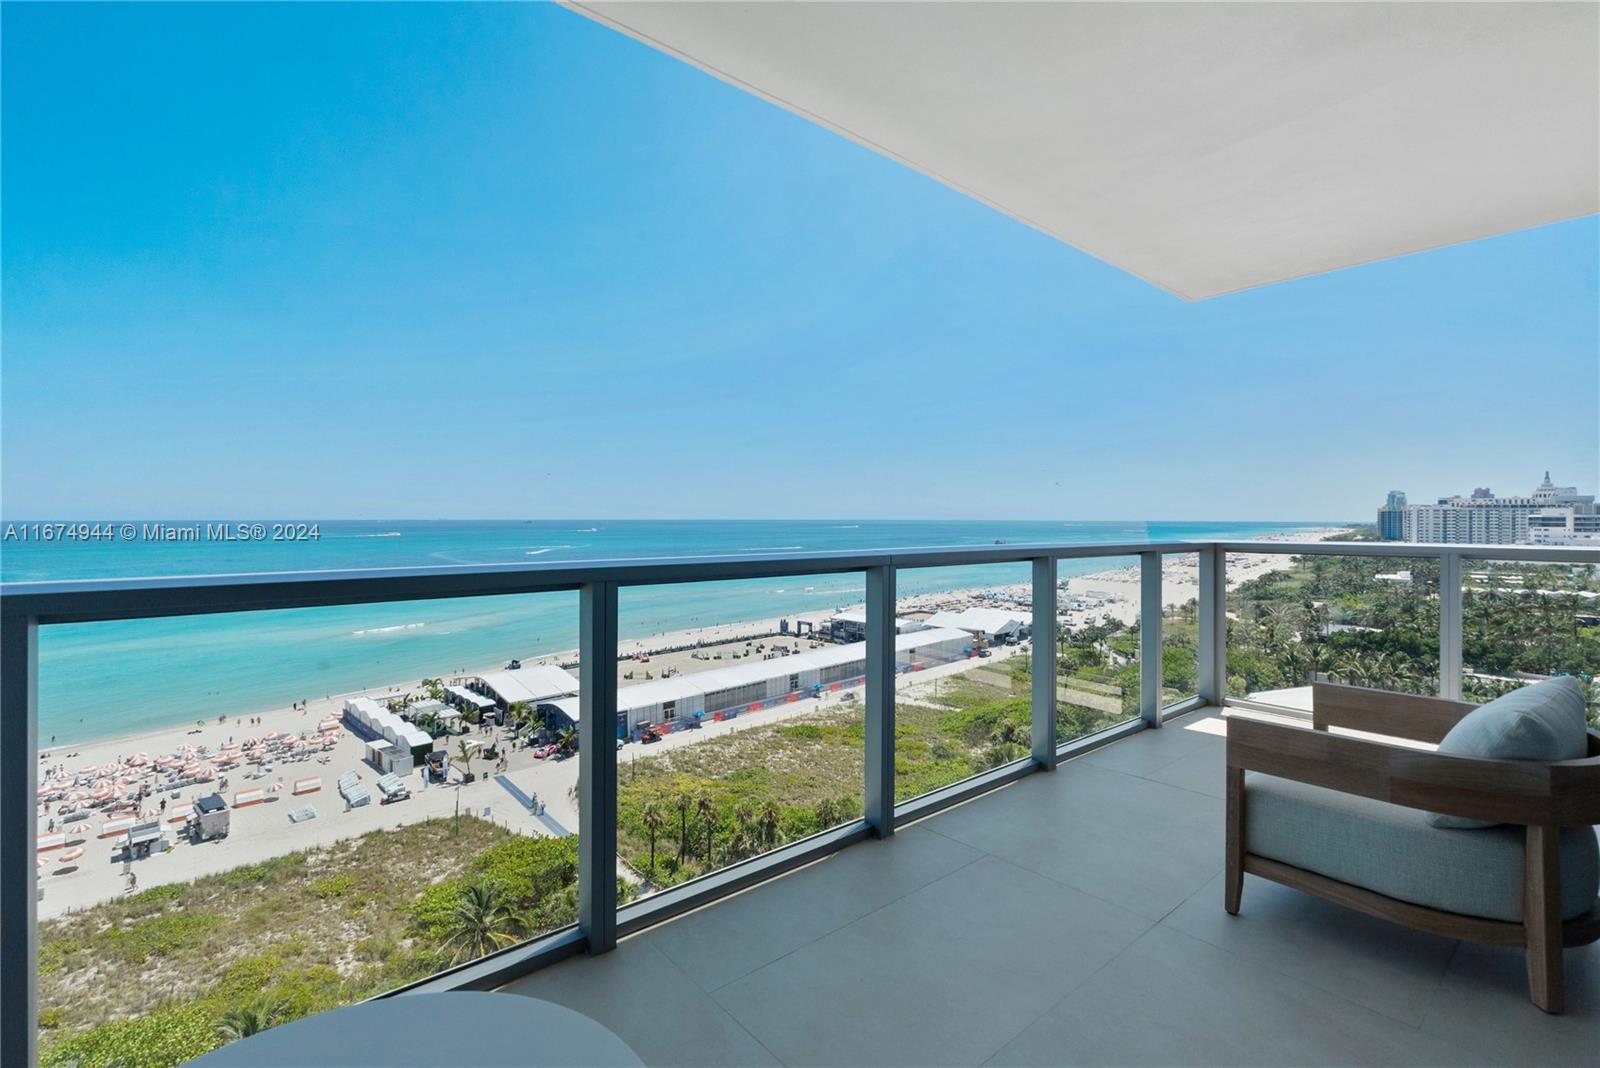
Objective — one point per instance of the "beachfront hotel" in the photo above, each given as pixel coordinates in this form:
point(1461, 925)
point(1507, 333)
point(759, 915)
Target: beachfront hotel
point(1550, 515)
point(1290, 796)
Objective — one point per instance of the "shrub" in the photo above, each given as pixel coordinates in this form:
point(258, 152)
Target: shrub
point(164, 1038)
point(158, 935)
point(431, 912)
point(333, 886)
point(156, 897)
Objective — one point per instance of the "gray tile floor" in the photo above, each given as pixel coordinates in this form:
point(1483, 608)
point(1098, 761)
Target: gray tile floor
point(1071, 918)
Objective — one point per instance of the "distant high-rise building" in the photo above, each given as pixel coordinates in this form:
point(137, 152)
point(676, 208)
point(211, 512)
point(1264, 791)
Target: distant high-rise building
point(1551, 515)
point(1392, 517)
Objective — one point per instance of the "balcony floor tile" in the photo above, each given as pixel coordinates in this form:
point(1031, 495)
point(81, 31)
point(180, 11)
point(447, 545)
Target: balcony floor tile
point(717, 945)
point(1156, 749)
point(650, 1004)
point(1380, 965)
point(1200, 771)
point(1141, 844)
point(945, 975)
point(1483, 1002)
point(1172, 999)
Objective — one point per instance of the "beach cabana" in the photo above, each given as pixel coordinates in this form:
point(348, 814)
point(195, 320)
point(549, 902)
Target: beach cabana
point(52, 841)
point(179, 813)
point(144, 839)
point(308, 785)
point(112, 828)
point(248, 797)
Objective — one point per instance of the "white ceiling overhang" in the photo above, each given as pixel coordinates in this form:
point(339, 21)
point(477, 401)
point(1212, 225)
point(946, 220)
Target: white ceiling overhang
point(1204, 147)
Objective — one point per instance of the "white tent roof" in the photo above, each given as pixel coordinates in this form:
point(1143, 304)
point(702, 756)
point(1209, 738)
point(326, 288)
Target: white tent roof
point(532, 683)
point(988, 620)
point(1206, 148)
point(477, 700)
point(680, 687)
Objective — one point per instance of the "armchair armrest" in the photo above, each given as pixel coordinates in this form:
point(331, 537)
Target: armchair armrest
point(1399, 715)
point(1527, 792)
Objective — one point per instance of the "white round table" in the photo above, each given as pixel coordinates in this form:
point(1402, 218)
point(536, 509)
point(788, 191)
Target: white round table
point(427, 1030)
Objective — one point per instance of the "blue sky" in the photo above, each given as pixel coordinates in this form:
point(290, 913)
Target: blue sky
point(474, 261)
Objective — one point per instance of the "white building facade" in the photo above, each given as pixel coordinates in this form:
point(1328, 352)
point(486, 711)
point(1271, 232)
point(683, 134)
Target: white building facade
point(1550, 515)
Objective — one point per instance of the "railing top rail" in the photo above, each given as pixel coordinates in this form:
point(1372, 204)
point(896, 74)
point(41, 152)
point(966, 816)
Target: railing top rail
point(103, 599)
point(1536, 554)
point(136, 598)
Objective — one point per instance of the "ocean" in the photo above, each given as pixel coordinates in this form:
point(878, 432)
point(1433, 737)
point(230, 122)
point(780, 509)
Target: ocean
point(106, 679)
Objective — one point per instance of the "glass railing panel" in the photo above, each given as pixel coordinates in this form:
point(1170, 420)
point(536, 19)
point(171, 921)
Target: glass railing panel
point(1524, 622)
point(245, 819)
point(963, 688)
point(1368, 621)
point(1097, 645)
point(740, 723)
point(1180, 627)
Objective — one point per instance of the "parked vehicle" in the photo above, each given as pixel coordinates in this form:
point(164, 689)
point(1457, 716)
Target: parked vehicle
point(392, 788)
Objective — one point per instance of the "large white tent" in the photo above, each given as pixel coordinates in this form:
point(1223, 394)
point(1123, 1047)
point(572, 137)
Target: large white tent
point(532, 684)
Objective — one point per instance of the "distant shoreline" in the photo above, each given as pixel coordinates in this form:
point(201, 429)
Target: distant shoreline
point(1115, 582)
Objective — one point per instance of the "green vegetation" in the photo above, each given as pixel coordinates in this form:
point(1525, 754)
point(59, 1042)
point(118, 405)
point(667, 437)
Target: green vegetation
point(165, 975)
point(695, 809)
point(1333, 617)
point(1336, 618)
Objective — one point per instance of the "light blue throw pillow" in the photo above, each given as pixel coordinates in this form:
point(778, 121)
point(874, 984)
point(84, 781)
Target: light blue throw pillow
point(1544, 721)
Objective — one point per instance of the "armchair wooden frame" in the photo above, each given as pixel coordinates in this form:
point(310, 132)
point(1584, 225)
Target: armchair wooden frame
point(1543, 797)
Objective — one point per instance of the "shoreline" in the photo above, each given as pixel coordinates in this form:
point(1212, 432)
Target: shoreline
point(1113, 600)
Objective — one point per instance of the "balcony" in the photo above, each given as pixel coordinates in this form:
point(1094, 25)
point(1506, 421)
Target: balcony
point(1064, 902)
point(1069, 918)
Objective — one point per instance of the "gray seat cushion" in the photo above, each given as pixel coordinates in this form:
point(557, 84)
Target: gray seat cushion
point(1394, 851)
point(1545, 721)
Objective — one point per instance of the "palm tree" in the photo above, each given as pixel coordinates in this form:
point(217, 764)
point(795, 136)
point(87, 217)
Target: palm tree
point(568, 738)
point(242, 1021)
point(518, 713)
point(827, 812)
point(706, 810)
point(684, 802)
point(464, 751)
point(480, 923)
point(744, 839)
point(768, 821)
point(433, 689)
point(653, 819)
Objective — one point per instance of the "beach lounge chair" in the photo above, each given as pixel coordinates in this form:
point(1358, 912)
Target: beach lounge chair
point(1488, 839)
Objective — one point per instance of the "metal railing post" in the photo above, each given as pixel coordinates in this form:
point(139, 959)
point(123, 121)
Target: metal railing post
point(1044, 662)
point(880, 699)
point(19, 768)
point(1213, 625)
point(1150, 639)
point(597, 764)
point(1450, 626)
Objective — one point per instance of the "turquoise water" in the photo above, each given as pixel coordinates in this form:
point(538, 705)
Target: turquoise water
point(115, 678)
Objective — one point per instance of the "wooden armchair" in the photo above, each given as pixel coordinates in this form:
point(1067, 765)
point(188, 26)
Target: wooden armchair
point(1540, 797)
